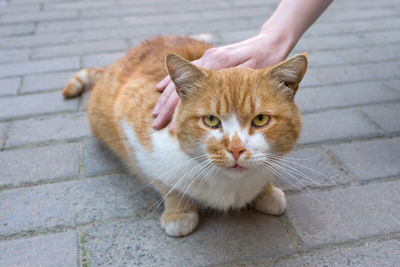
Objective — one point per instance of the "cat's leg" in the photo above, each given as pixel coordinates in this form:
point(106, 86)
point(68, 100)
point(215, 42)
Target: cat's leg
point(271, 200)
point(180, 216)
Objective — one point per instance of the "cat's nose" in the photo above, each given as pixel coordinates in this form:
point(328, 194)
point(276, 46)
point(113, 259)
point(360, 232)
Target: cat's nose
point(236, 151)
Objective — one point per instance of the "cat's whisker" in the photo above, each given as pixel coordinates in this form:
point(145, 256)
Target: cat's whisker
point(269, 167)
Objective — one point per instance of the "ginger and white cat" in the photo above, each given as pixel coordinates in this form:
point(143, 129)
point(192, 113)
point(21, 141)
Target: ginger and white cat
point(227, 126)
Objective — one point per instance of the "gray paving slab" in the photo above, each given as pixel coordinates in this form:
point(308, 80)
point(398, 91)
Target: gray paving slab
point(73, 203)
point(345, 95)
point(336, 125)
point(338, 216)
point(45, 81)
point(58, 249)
point(370, 159)
point(49, 163)
point(100, 60)
point(9, 86)
point(386, 116)
point(39, 66)
point(372, 253)
point(218, 238)
point(14, 107)
point(51, 128)
point(99, 159)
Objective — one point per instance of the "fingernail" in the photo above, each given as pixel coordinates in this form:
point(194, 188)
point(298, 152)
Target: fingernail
point(155, 110)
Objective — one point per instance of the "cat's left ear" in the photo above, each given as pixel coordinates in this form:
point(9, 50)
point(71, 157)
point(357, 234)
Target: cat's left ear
point(184, 74)
point(288, 74)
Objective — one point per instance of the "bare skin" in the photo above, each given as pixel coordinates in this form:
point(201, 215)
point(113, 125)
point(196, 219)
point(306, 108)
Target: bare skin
point(276, 39)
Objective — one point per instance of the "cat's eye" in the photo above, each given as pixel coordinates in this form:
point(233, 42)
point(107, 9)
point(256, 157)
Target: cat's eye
point(211, 121)
point(261, 120)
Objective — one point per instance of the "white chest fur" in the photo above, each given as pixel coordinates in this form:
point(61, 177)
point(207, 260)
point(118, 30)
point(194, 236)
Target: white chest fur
point(206, 183)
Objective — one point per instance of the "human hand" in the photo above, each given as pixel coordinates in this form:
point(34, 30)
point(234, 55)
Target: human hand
point(257, 52)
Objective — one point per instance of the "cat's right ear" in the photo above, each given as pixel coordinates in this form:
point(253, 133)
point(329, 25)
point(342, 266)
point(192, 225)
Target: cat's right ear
point(184, 74)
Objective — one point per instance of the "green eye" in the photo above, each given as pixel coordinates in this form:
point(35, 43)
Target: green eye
point(211, 121)
point(261, 120)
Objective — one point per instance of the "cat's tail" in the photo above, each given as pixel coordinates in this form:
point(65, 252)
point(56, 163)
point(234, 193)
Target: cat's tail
point(85, 78)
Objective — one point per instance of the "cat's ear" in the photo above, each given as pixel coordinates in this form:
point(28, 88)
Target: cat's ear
point(184, 74)
point(288, 74)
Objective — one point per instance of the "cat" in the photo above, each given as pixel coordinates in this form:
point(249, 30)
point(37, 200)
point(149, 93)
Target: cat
point(228, 125)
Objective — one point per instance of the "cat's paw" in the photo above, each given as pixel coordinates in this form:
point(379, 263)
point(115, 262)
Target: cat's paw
point(179, 224)
point(271, 202)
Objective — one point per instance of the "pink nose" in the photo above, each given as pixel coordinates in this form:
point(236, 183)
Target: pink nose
point(236, 151)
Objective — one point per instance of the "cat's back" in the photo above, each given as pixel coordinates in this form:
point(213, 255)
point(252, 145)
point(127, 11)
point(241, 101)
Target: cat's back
point(126, 90)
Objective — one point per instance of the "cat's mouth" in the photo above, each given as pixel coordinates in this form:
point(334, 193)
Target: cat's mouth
point(236, 167)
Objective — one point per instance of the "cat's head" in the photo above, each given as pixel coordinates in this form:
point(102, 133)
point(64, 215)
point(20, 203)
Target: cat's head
point(238, 117)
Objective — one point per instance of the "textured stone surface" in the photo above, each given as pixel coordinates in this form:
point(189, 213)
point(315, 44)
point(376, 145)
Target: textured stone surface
point(348, 214)
point(27, 105)
point(217, 239)
point(371, 253)
point(47, 81)
point(309, 167)
point(73, 203)
point(48, 250)
point(344, 96)
point(100, 60)
point(3, 130)
point(99, 159)
point(386, 116)
point(370, 159)
point(338, 124)
point(71, 126)
point(39, 66)
point(42, 163)
point(9, 86)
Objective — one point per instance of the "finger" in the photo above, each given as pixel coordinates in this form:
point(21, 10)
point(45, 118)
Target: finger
point(163, 98)
point(163, 84)
point(248, 63)
point(166, 112)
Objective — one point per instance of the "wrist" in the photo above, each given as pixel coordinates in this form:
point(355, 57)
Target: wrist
point(282, 38)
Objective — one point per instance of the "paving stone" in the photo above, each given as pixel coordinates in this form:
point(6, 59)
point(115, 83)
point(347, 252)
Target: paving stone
point(360, 72)
point(218, 238)
point(386, 116)
point(68, 204)
point(323, 58)
point(43, 39)
point(45, 81)
point(162, 18)
point(100, 60)
point(345, 95)
point(3, 132)
point(7, 30)
point(370, 54)
point(311, 167)
point(62, 127)
point(21, 9)
point(58, 249)
point(99, 159)
point(341, 215)
point(38, 16)
point(35, 104)
point(77, 5)
point(10, 55)
point(370, 159)
point(371, 253)
point(39, 164)
point(118, 11)
point(337, 124)
point(39, 66)
point(79, 48)
point(69, 25)
point(9, 86)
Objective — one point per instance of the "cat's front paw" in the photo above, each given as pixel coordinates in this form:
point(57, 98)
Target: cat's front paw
point(271, 201)
point(179, 224)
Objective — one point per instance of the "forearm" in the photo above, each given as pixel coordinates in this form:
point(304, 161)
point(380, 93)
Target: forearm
point(292, 18)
